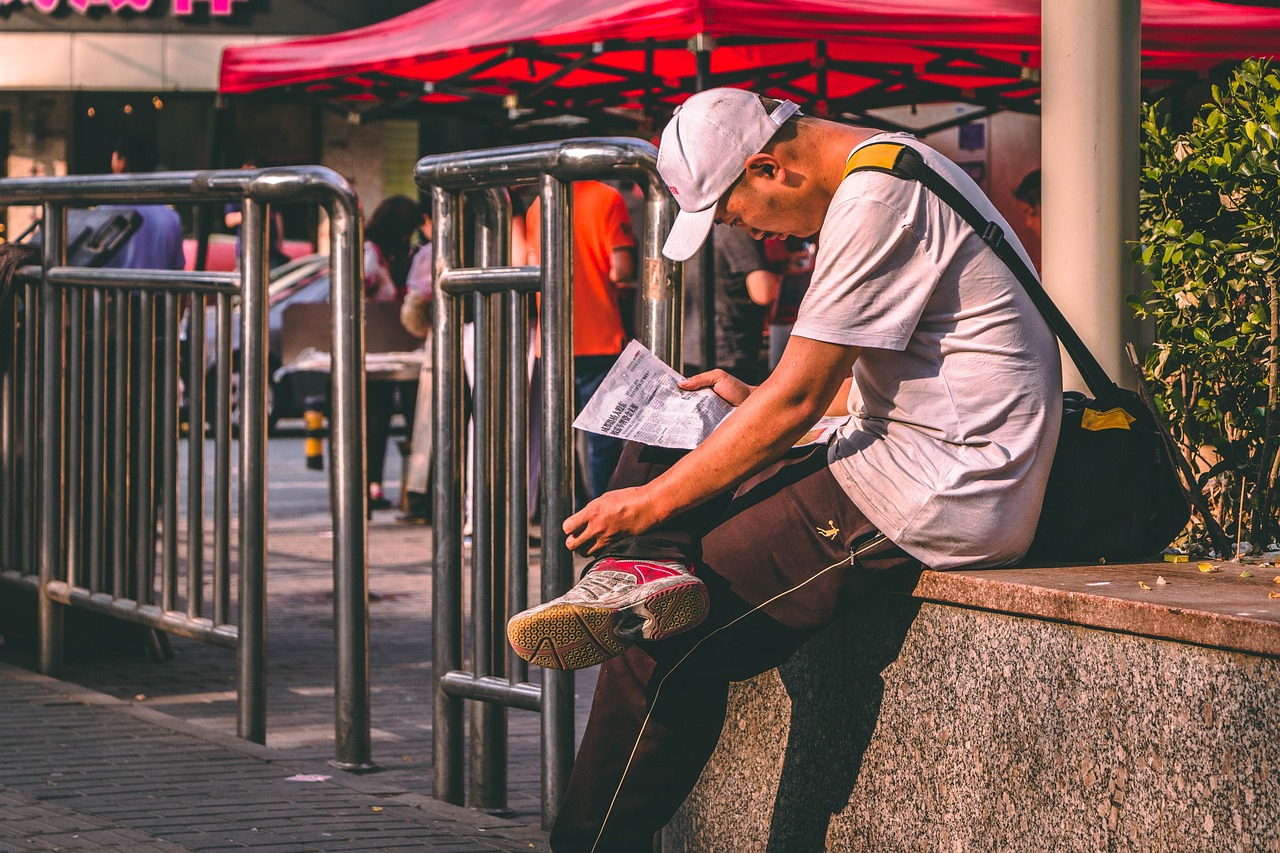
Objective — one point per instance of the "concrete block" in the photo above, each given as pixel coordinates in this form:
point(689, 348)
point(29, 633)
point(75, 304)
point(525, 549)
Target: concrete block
point(926, 726)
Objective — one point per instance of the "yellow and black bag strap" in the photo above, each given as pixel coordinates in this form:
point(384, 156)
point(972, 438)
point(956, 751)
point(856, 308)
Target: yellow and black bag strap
point(905, 162)
point(877, 157)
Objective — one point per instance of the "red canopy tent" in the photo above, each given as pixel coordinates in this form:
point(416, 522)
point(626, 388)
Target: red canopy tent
point(838, 56)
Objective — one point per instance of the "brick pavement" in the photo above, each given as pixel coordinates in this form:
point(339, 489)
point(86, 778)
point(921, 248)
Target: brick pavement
point(81, 770)
point(186, 706)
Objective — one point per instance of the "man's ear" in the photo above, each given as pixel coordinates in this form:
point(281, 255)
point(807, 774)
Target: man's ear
point(763, 166)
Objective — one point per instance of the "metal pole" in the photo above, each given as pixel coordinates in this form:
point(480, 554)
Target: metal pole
point(195, 456)
point(119, 486)
point(706, 257)
point(142, 504)
point(447, 444)
point(51, 471)
point(1089, 127)
point(28, 440)
point(251, 651)
point(169, 454)
point(516, 308)
point(352, 744)
point(222, 465)
point(8, 442)
point(488, 788)
point(662, 282)
point(557, 473)
point(74, 465)
point(95, 468)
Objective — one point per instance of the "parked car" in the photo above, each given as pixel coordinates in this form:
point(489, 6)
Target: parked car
point(303, 281)
point(221, 255)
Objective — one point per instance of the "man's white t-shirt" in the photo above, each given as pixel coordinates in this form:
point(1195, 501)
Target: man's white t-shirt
point(957, 394)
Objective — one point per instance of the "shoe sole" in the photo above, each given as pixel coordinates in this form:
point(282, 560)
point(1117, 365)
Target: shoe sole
point(577, 636)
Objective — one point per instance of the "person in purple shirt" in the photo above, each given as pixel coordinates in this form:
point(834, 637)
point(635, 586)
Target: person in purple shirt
point(157, 244)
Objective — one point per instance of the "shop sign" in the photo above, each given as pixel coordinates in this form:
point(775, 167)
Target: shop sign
point(180, 7)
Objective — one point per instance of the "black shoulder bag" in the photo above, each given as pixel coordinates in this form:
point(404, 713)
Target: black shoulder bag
point(96, 235)
point(1113, 492)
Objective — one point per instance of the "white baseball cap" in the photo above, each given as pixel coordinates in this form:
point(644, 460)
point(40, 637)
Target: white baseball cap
point(704, 149)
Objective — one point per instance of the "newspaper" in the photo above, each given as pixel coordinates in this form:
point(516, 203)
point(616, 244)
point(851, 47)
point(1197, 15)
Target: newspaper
point(638, 400)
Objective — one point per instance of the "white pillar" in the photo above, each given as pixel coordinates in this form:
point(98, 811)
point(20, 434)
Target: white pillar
point(1090, 101)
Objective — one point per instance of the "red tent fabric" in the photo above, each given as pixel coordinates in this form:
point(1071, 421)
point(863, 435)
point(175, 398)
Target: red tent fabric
point(623, 51)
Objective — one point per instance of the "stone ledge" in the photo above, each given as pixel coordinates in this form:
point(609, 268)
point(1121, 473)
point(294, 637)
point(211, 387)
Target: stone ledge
point(1011, 710)
point(1219, 609)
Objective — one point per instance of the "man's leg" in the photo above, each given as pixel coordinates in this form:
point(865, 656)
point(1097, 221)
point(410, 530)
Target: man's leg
point(377, 432)
point(790, 553)
point(643, 588)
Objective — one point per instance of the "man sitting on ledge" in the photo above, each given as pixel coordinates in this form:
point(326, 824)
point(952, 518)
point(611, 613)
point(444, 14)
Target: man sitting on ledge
point(734, 553)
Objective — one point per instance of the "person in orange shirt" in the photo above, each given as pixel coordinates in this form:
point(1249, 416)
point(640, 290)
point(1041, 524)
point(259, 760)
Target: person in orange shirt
point(603, 243)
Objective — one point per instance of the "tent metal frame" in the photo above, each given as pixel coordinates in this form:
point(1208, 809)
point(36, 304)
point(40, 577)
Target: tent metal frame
point(373, 95)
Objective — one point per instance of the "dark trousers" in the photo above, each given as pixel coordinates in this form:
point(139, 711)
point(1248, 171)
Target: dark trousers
point(378, 402)
point(602, 451)
point(782, 557)
point(379, 407)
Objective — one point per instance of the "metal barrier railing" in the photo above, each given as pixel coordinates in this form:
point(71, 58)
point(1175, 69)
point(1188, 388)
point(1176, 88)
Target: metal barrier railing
point(499, 576)
point(83, 496)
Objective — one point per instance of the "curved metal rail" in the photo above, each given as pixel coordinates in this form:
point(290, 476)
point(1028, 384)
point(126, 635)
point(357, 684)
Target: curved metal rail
point(108, 562)
point(499, 562)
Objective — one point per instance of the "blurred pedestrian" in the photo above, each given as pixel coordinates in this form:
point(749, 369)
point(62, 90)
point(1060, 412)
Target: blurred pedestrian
point(415, 316)
point(628, 292)
point(796, 257)
point(233, 218)
point(157, 244)
point(745, 287)
point(387, 258)
point(1028, 196)
point(13, 256)
point(603, 242)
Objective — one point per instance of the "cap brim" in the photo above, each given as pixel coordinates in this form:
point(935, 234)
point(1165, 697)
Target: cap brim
point(688, 233)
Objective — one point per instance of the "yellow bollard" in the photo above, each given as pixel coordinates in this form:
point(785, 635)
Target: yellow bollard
point(313, 446)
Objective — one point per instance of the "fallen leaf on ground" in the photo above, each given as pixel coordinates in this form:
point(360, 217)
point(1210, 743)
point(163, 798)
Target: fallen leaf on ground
point(1143, 584)
point(1246, 574)
point(1160, 581)
point(1207, 567)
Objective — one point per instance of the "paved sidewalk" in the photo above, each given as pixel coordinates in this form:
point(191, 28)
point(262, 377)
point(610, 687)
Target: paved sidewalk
point(81, 770)
point(125, 751)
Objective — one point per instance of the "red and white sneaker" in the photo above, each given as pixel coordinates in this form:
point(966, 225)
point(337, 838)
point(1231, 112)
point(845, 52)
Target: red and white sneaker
point(617, 602)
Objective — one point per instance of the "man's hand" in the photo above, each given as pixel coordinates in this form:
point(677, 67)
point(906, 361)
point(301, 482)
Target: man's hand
point(768, 422)
point(611, 517)
point(732, 391)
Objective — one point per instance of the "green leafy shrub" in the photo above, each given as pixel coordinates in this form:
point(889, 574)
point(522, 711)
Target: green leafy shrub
point(1210, 231)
